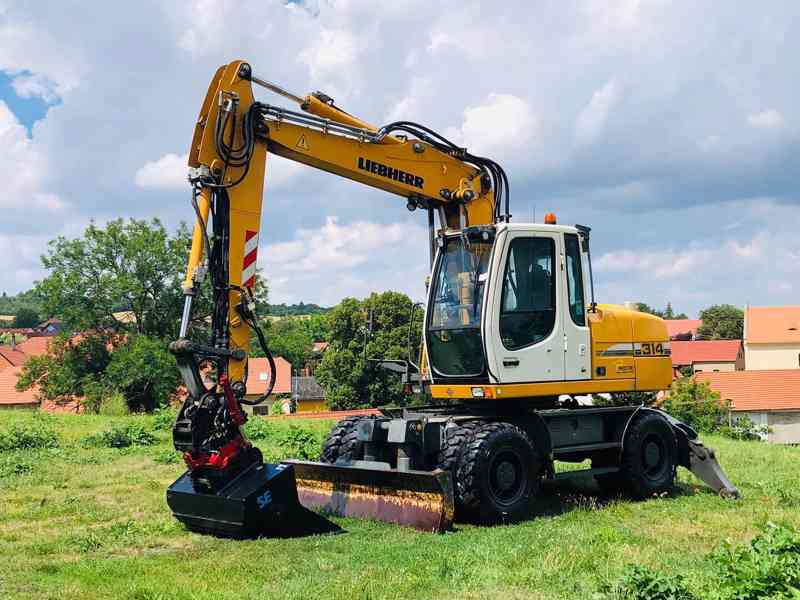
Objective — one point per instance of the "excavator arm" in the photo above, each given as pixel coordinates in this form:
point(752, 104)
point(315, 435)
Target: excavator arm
point(227, 166)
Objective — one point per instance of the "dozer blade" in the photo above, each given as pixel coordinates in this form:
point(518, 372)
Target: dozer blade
point(260, 501)
point(419, 499)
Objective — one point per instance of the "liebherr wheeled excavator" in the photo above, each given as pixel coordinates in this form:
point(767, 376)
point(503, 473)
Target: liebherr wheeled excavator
point(512, 335)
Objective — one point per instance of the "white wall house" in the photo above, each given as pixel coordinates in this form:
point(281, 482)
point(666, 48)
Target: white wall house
point(771, 337)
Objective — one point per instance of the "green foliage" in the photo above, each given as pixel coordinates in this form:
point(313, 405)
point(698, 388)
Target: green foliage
point(32, 434)
point(767, 567)
point(667, 313)
point(721, 322)
point(257, 428)
point(6, 338)
point(289, 338)
point(10, 305)
point(114, 405)
point(696, 404)
point(624, 399)
point(348, 379)
point(122, 435)
point(296, 442)
point(743, 428)
point(164, 418)
point(284, 310)
point(70, 368)
point(276, 408)
point(144, 372)
point(640, 583)
point(26, 317)
point(165, 456)
point(125, 265)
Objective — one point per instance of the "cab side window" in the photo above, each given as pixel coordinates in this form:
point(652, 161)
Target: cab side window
point(528, 304)
point(577, 303)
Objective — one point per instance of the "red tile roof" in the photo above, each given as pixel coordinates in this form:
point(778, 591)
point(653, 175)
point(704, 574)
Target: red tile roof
point(757, 390)
point(682, 327)
point(687, 353)
point(9, 396)
point(35, 346)
point(320, 346)
point(258, 376)
point(772, 324)
point(12, 357)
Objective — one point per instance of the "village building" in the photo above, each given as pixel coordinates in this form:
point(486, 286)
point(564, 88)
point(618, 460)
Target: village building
point(772, 337)
point(683, 329)
point(707, 355)
point(769, 398)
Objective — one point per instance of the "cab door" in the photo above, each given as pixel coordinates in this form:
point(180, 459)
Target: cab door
point(525, 338)
point(577, 347)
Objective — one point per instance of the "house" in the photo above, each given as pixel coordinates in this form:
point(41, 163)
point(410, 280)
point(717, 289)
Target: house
point(707, 355)
point(308, 395)
point(49, 327)
point(9, 396)
point(682, 329)
point(769, 398)
point(7, 320)
point(258, 381)
point(16, 355)
point(772, 337)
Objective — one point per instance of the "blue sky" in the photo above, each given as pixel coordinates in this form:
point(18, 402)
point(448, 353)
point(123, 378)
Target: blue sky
point(26, 110)
point(670, 128)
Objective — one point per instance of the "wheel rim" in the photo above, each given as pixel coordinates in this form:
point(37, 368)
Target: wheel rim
point(655, 458)
point(507, 477)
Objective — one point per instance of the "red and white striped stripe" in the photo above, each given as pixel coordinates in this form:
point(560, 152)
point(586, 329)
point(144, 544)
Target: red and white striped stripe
point(249, 261)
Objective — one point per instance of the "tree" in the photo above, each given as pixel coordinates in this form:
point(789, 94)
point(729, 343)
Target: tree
point(143, 371)
point(70, 368)
point(667, 313)
point(696, 404)
point(346, 374)
point(26, 317)
point(721, 322)
point(289, 338)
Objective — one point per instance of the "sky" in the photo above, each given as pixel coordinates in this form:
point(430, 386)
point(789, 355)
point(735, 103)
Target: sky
point(671, 128)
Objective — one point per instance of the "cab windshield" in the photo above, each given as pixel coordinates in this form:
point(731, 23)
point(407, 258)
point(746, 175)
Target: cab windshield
point(454, 326)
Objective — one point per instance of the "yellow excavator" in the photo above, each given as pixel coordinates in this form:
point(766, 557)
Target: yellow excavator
point(512, 339)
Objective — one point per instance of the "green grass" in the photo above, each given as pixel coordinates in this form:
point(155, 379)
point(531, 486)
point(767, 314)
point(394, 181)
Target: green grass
point(87, 522)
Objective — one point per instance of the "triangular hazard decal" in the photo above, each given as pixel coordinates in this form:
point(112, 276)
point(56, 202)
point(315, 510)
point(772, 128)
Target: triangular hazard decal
point(302, 143)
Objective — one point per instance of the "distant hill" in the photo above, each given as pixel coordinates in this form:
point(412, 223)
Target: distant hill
point(294, 310)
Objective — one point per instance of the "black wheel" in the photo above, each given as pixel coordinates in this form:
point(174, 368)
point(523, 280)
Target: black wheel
point(648, 457)
point(498, 474)
point(342, 442)
point(455, 440)
point(332, 446)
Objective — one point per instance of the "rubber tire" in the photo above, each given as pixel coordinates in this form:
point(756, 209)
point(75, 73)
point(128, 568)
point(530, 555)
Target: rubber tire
point(633, 476)
point(342, 443)
point(454, 442)
point(332, 446)
point(473, 487)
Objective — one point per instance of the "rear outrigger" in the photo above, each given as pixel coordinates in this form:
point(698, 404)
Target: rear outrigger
point(512, 337)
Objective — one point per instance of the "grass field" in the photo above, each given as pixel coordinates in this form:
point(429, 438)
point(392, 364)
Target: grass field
point(89, 522)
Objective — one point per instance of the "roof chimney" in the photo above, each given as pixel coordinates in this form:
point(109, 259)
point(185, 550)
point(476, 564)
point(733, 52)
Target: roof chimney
point(13, 341)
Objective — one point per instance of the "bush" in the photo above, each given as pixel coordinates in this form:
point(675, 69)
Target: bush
point(641, 583)
point(767, 567)
point(37, 433)
point(696, 404)
point(296, 442)
point(257, 428)
point(166, 456)
point(114, 405)
point(744, 429)
point(122, 436)
point(164, 418)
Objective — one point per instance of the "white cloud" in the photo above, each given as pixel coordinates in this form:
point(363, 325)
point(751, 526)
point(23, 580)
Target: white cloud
point(167, 173)
point(336, 260)
point(768, 119)
point(593, 117)
point(499, 127)
point(30, 86)
point(23, 171)
point(170, 171)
